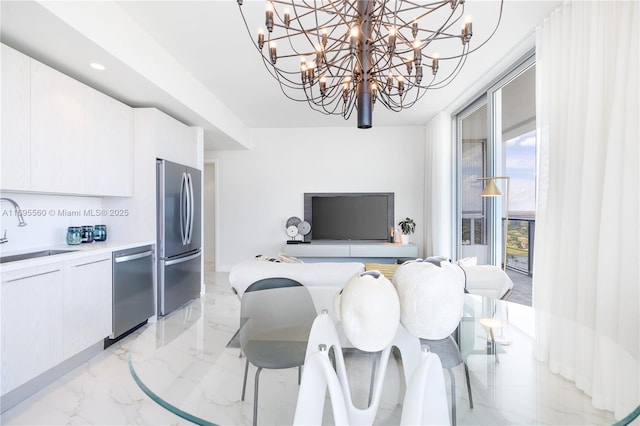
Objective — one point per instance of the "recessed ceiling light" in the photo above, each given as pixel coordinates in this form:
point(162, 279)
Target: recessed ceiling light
point(97, 66)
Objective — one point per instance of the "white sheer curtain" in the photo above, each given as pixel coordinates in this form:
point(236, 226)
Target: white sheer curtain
point(438, 187)
point(587, 259)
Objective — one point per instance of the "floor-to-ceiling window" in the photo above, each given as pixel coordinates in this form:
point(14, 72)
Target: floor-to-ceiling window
point(496, 136)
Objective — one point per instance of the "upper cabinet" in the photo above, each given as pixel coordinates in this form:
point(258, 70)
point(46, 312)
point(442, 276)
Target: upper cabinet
point(74, 140)
point(109, 127)
point(58, 109)
point(16, 126)
point(174, 140)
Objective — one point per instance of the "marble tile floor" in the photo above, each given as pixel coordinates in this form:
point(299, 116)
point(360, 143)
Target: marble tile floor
point(99, 392)
point(103, 392)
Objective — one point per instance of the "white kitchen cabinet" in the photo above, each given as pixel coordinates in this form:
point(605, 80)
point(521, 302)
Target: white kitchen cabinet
point(32, 323)
point(87, 303)
point(58, 149)
point(174, 140)
point(109, 138)
point(59, 135)
point(16, 105)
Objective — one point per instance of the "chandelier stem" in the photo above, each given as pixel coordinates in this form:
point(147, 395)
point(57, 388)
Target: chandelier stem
point(364, 95)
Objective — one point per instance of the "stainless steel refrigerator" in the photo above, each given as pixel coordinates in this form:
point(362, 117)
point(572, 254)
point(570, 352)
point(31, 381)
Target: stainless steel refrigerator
point(179, 234)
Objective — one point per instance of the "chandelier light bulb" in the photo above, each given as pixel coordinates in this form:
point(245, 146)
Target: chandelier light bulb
point(260, 37)
point(418, 75)
point(287, 18)
point(354, 39)
point(409, 63)
point(319, 57)
point(392, 39)
point(272, 52)
point(347, 82)
point(303, 69)
point(467, 30)
point(417, 52)
point(311, 74)
point(269, 16)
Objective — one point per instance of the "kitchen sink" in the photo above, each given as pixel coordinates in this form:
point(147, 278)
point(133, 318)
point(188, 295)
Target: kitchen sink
point(32, 255)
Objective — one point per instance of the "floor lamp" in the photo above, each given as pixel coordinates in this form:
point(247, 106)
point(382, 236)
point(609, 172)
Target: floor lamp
point(491, 190)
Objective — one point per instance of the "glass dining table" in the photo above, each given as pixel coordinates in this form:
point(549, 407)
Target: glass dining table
point(191, 363)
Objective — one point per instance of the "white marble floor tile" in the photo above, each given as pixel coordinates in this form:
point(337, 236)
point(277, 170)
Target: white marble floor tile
point(99, 392)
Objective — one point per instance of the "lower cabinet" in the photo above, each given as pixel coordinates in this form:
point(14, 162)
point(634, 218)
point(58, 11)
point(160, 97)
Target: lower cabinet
point(51, 313)
point(32, 323)
point(87, 303)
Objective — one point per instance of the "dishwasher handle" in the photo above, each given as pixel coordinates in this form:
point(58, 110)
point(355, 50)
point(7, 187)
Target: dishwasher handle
point(134, 256)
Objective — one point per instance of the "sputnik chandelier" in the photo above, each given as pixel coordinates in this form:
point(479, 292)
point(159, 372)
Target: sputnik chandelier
point(338, 55)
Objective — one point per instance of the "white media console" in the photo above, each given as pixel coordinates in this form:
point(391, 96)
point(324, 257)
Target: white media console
point(351, 251)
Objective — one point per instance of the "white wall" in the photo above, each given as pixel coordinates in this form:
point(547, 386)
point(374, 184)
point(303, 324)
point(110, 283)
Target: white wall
point(259, 189)
point(208, 220)
point(47, 218)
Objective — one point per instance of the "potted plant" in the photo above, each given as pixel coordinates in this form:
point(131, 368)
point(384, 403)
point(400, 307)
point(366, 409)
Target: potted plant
point(408, 227)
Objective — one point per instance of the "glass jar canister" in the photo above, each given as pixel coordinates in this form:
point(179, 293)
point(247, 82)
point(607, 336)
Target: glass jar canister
point(87, 234)
point(74, 235)
point(100, 232)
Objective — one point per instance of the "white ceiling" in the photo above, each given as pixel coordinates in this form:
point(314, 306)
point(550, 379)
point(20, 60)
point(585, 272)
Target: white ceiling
point(207, 71)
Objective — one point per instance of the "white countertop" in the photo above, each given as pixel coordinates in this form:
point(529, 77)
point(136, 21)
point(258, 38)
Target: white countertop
point(78, 251)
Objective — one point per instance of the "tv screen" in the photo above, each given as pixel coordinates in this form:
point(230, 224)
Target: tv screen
point(349, 216)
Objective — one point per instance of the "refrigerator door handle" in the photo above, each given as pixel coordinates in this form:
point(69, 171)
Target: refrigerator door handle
point(187, 208)
point(191, 207)
point(187, 223)
point(181, 260)
point(183, 206)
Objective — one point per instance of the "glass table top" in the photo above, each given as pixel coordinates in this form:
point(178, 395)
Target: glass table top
point(190, 363)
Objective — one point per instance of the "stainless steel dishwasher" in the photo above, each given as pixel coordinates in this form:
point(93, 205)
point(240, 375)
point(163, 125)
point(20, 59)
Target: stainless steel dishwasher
point(133, 296)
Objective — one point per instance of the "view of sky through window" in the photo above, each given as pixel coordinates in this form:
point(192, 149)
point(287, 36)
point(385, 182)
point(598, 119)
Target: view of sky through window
point(521, 168)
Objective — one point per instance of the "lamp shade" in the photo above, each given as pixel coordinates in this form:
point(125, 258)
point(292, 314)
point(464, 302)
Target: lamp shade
point(491, 190)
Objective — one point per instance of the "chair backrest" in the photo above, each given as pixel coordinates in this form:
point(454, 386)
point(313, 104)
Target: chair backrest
point(276, 307)
point(269, 283)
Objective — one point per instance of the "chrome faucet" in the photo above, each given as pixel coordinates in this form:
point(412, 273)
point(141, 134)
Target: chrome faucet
point(21, 221)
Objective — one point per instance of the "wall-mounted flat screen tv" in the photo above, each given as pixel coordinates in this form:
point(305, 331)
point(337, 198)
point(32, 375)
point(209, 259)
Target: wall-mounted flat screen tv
point(349, 216)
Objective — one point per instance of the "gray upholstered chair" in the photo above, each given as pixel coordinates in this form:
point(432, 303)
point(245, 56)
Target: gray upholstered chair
point(276, 318)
